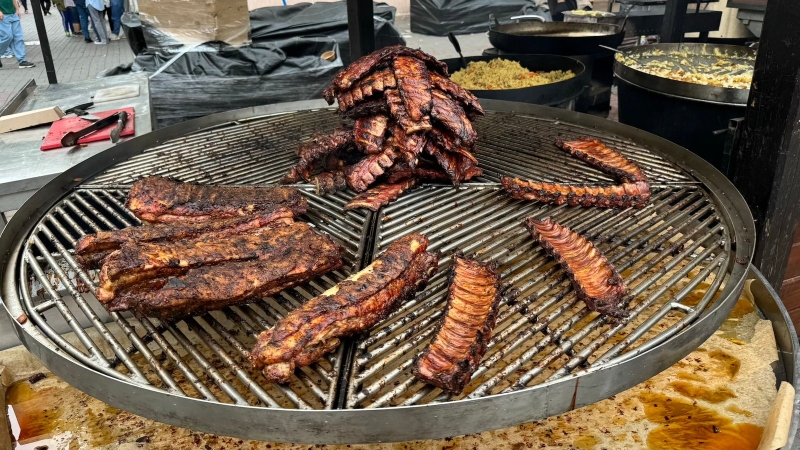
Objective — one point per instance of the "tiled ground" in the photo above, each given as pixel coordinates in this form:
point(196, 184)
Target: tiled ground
point(74, 59)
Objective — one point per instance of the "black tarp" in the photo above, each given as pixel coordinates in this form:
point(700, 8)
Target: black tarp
point(282, 64)
point(194, 84)
point(439, 17)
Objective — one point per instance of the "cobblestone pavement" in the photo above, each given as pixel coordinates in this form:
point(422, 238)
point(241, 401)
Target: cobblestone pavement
point(74, 59)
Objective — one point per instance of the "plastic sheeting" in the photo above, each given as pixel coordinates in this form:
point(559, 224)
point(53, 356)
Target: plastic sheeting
point(439, 17)
point(282, 64)
point(322, 19)
point(195, 84)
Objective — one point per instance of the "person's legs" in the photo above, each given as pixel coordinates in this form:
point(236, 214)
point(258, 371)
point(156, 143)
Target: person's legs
point(45, 6)
point(117, 7)
point(99, 24)
point(83, 16)
point(18, 41)
point(25, 5)
point(74, 20)
point(5, 34)
point(64, 21)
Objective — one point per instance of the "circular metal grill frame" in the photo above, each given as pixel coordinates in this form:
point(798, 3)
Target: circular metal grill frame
point(399, 423)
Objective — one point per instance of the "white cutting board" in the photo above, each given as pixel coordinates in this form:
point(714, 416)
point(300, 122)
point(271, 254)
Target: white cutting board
point(116, 93)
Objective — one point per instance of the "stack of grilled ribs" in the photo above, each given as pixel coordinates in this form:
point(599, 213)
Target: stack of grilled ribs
point(208, 247)
point(411, 123)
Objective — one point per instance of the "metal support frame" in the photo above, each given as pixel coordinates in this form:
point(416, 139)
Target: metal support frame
point(41, 30)
point(361, 28)
point(765, 165)
point(674, 20)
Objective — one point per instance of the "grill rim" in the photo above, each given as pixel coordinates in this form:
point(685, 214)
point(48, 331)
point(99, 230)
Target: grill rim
point(352, 426)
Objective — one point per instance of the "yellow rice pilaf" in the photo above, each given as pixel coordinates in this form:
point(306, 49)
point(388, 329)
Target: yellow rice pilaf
point(504, 74)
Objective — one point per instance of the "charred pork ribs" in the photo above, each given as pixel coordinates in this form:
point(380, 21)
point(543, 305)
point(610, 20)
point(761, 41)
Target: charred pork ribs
point(352, 306)
point(463, 334)
point(594, 279)
point(158, 199)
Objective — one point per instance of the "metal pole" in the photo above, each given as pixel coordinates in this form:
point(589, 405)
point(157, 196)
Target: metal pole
point(44, 43)
point(674, 19)
point(765, 164)
point(362, 28)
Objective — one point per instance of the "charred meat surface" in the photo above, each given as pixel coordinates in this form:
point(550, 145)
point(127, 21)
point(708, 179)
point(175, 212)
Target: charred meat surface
point(352, 306)
point(595, 280)
point(380, 195)
point(414, 85)
point(460, 341)
point(453, 117)
point(329, 182)
point(93, 248)
point(599, 155)
point(624, 195)
point(464, 96)
point(364, 172)
point(424, 171)
point(366, 64)
point(369, 133)
point(292, 259)
point(320, 146)
point(398, 109)
point(137, 262)
point(458, 167)
point(158, 199)
point(369, 86)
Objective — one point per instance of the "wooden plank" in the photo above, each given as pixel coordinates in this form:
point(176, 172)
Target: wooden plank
point(28, 119)
point(790, 295)
point(793, 266)
point(765, 164)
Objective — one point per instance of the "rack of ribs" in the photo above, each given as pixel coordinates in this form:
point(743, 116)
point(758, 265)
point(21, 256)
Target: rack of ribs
point(633, 191)
point(352, 306)
point(594, 279)
point(623, 195)
point(159, 199)
point(380, 195)
point(599, 155)
point(137, 262)
point(460, 341)
point(296, 255)
point(93, 248)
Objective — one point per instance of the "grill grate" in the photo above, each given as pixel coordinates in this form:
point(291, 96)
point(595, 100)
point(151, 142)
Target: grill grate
point(673, 254)
point(202, 357)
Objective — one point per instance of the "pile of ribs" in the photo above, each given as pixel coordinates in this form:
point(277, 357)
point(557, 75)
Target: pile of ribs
point(206, 247)
point(632, 191)
point(406, 121)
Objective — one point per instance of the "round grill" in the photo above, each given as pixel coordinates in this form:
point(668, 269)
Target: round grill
point(683, 258)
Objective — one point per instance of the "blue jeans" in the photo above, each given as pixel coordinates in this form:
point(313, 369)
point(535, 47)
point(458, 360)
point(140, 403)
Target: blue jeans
point(66, 20)
point(83, 16)
point(117, 7)
point(11, 36)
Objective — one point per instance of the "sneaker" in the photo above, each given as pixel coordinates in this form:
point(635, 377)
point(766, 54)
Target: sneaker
point(100, 43)
point(88, 41)
point(26, 65)
point(68, 34)
point(114, 37)
point(7, 56)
